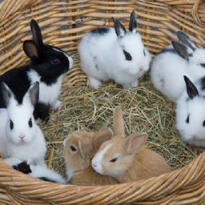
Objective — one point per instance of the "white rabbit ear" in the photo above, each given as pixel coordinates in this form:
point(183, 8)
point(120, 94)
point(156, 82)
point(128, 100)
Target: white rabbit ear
point(184, 38)
point(30, 49)
point(119, 28)
point(133, 22)
point(191, 88)
point(7, 94)
point(33, 93)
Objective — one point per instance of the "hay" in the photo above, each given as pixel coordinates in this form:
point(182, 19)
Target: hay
point(144, 110)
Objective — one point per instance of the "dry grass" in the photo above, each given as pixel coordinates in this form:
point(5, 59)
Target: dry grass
point(144, 110)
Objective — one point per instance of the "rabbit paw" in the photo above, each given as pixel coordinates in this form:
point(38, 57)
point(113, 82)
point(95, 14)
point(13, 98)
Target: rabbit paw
point(57, 105)
point(94, 83)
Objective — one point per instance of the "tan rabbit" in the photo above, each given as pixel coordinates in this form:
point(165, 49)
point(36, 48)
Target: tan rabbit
point(125, 158)
point(79, 149)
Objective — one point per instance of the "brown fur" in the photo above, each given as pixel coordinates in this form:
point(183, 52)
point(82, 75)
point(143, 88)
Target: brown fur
point(78, 163)
point(132, 160)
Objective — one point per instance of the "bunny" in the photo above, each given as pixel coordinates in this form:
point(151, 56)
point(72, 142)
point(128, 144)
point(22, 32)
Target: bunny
point(41, 172)
point(20, 136)
point(79, 148)
point(47, 66)
point(114, 54)
point(179, 59)
point(125, 158)
point(190, 112)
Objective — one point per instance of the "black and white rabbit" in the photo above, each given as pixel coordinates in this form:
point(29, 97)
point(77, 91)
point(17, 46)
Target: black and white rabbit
point(47, 66)
point(20, 136)
point(38, 171)
point(190, 112)
point(114, 54)
point(179, 59)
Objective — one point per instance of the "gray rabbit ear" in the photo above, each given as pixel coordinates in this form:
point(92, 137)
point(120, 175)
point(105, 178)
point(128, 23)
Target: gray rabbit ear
point(191, 88)
point(30, 49)
point(184, 38)
point(133, 22)
point(7, 94)
point(34, 93)
point(36, 33)
point(181, 50)
point(119, 28)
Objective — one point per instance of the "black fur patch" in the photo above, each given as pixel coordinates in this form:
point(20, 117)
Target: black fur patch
point(42, 111)
point(47, 179)
point(202, 83)
point(101, 30)
point(170, 50)
point(187, 119)
point(23, 167)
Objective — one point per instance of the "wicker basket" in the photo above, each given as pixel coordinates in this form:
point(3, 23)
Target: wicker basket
point(63, 23)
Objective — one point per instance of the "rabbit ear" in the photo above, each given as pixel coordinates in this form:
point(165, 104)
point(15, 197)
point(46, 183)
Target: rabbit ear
point(133, 22)
point(85, 149)
point(30, 49)
point(7, 94)
point(36, 33)
point(181, 49)
point(118, 122)
point(32, 94)
point(102, 135)
point(184, 38)
point(191, 88)
point(119, 28)
point(135, 142)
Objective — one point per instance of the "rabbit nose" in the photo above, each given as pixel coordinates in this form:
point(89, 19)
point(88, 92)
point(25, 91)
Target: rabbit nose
point(21, 137)
point(94, 165)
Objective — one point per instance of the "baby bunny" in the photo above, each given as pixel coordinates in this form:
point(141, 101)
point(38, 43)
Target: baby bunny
point(20, 136)
point(41, 172)
point(114, 54)
point(47, 66)
point(125, 158)
point(190, 113)
point(79, 148)
point(175, 61)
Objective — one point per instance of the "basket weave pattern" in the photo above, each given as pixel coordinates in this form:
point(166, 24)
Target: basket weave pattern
point(63, 23)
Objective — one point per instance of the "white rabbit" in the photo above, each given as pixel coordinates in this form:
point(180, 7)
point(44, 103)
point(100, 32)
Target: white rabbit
point(190, 113)
point(38, 171)
point(113, 54)
point(20, 136)
point(179, 59)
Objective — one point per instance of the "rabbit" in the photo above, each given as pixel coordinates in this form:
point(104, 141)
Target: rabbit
point(108, 53)
point(125, 158)
point(38, 171)
point(179, 59)
point(47, 66)
point(79, 148)
point(190, 112)
point(20, 136)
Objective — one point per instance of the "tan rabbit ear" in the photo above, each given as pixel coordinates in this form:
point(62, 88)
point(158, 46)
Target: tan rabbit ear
point(85, 149)
point(101, 136)
point(135, 142)
point(118, 122)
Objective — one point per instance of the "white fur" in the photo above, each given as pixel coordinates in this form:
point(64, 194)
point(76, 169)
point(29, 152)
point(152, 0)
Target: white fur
point(192, 132)
point(168, 69)
point(102, 58)
point(97, 160)
point(48, 94)
point(33, 147)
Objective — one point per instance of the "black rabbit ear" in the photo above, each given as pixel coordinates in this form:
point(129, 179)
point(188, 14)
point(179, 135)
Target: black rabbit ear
point(191, 88)
point(181, 49)
point(119, 28)
point(184, 38)
point(6, 93)
point(133, 22)
point(36, 33)
point(30, 49)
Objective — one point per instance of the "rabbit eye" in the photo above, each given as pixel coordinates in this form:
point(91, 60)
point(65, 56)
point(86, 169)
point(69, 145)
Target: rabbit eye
point(187, 119)
point(11, 124)
point(144, 52)
point(203, 65)
point(30, 122)
point(55, 61)
point(127, 55)
point(73, 149)
point(113, 160)
point(204, 123)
